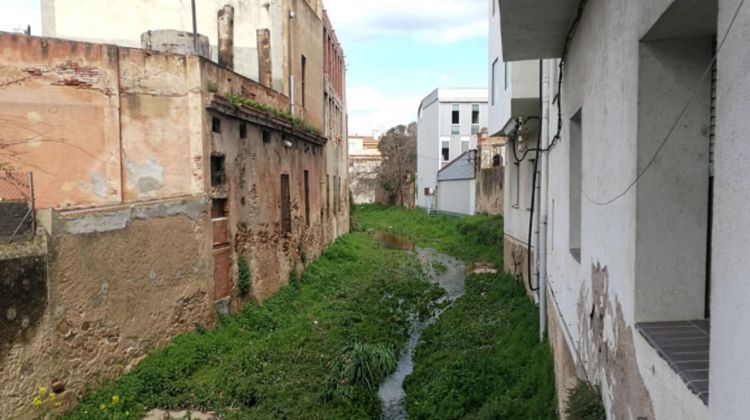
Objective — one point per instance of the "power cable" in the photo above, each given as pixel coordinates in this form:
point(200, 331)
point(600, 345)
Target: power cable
point(682, 113)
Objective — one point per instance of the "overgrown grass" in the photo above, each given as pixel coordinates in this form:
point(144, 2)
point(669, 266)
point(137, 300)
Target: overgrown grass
point(343, 321)
point(474, 238)
point(482, 358)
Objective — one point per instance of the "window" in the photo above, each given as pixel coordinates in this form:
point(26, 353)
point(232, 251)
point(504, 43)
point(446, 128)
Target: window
point(304, 70)
point(218, 171)
point(266, 136)
point(574, 190)
point(456, 115)
point(286, 205)
point(445, 150)
point(475, 114)
point(495, 81)
point(328, 195)
point(455, 130)
point(337, 196)
point(216, 125)
point(497, 160)
point(307, 198)
point(243, 130)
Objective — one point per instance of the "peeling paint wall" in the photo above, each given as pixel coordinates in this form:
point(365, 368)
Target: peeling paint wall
point(59, 118)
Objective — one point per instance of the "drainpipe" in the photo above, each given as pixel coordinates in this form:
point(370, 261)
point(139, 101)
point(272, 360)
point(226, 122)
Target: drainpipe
point(543, 209)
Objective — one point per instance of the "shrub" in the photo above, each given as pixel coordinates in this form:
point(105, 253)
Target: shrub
point(244, 277)
point(585, 402)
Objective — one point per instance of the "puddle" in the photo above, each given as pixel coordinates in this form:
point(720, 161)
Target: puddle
point(450, 274)
point(392, 241)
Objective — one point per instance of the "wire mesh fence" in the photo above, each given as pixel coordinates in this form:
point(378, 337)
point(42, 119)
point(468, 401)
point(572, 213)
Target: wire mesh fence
point(17, 218)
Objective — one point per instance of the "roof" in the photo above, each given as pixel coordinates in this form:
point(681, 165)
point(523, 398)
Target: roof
point(460, 168)
point(455, 95)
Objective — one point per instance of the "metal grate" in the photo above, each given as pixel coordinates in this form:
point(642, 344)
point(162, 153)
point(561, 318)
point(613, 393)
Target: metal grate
point(16, 205)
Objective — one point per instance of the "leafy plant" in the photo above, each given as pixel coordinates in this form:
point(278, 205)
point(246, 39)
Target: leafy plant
point(585, 402)
point(299, 123)
point(244, 276)
point(359, 364)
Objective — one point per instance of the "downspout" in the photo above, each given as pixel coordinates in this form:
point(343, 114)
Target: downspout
point(292, 15)
point(543, 209)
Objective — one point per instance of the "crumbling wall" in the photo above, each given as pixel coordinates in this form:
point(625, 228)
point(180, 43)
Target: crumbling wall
point(607, 350)
point(515, 261)
point(363, 179)
point(253, 174)
point(120, 284)
point(490, 190)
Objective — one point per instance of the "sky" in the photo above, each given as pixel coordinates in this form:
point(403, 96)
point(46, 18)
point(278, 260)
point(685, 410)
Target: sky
point(397, 51)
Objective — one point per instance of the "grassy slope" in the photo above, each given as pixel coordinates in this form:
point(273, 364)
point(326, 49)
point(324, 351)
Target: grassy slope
point(482, 358)
point(274, 361)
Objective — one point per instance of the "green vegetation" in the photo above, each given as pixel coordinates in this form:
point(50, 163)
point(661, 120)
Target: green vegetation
point(472, 239)
point(299, 123)
point(342, 321)
point(585, 403)
point(244, 277)
point(482, 358)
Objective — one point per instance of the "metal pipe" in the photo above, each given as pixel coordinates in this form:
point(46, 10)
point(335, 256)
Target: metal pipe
point(195, 29)
point(543, 207)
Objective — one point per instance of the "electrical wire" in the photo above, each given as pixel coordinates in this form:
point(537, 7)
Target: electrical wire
point(682, 113)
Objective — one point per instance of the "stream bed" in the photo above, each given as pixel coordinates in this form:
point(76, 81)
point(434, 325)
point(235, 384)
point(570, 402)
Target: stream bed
point(450, 274)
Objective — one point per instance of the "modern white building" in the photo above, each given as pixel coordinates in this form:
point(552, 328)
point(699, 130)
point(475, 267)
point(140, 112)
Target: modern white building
point(640, 221)
point(448, 124)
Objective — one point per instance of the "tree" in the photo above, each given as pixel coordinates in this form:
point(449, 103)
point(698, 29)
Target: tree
point(398, 147)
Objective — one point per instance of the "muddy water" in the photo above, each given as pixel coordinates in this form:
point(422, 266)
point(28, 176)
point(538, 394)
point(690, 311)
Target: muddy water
point(392, 241)
point(450, 274)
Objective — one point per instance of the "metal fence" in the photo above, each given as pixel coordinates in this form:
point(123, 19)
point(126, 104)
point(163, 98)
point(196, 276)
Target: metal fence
point(17, 218)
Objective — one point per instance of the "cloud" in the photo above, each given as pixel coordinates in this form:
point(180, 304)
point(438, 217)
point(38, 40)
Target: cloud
point(17, 14)
point(425, 21)
point(372, 111)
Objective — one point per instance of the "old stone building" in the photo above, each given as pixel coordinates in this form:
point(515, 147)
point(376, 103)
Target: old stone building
point(490, 178)
point(155, 173)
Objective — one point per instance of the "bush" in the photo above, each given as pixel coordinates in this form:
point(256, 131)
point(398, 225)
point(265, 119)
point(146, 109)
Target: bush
point(585, 402)
point(244, 277)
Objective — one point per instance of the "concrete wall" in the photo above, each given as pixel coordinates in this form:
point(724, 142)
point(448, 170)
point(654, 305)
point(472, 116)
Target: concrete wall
point(428, 150)
point(730, 373)
point(363, 179)
point(457, 197)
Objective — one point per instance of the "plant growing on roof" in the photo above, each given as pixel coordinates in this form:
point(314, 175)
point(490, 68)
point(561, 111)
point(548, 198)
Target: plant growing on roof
point(298, 123)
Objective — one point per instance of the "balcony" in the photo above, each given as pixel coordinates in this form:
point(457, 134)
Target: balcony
point(535, 29)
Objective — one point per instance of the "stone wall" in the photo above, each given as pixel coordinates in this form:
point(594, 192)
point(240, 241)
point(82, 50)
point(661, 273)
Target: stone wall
point(490, 190)
point(118, 285)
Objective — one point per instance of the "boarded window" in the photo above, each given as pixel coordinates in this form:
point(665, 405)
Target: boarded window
point(216, 125)
point(286, 205)
point(266, 136)
point(307, 198)
point(243, 130)
point(304, 71)
point(218, 170)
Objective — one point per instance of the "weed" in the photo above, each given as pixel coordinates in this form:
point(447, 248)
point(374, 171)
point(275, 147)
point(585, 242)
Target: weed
point(299, 123)
point(358, 364)
point(244, 277)
point(585, 402)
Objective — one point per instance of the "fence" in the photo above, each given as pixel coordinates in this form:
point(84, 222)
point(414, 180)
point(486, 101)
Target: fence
point(17, 218)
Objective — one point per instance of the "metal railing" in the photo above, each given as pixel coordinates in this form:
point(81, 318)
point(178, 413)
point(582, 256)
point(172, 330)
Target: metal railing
point(17, 216)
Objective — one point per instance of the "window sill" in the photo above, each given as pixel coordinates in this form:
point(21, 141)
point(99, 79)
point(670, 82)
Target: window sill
point(684, 346)
point(576, 254)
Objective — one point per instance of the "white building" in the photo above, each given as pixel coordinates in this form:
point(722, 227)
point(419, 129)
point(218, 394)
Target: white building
point(448, 123)
point(640, 225)
point(457, 185)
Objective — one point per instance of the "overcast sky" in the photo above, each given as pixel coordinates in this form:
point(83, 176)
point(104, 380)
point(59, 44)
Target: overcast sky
point(397, 51)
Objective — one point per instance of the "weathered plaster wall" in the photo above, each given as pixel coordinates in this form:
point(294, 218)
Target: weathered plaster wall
point(114, 292)
point(597, 296)
point(363, 182)
point(254, 196)
point(162, 151)
point(59, 118)
point(307, 39)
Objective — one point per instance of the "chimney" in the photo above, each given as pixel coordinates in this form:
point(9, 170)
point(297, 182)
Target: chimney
point(226, 36)
point(265, 72)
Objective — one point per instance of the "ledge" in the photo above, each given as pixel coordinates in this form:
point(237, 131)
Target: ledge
point(684, 346)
